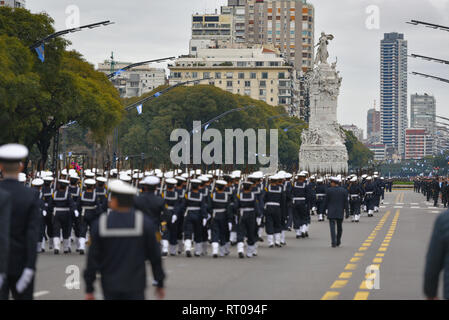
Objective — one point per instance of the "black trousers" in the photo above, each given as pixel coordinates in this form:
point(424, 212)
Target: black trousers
point(246, 227)
point(354, 206)
point(219, 228)
point(301, 215)
point(193, 227)
point(273, 219)
point(336, 236)
point(10, 286)
point(62, 221)
point(132, 295)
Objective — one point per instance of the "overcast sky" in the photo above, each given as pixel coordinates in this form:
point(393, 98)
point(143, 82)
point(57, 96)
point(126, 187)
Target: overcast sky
point(151, 29)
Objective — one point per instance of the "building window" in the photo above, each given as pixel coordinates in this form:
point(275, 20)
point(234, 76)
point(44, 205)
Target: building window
point(247, 83)
point(206, 75)
point(247, 92)
point(217, 75)
point(281, 75)
point(193, 48)
point(229, 75)
point(264, 75)
point(259, 64)
point(241, 75)
point(263, 84)
point(194, 75)
point(262, 92)
point(253, 75)
point(229, 83)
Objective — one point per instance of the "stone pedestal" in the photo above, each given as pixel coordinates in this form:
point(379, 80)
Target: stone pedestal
point(323, 147)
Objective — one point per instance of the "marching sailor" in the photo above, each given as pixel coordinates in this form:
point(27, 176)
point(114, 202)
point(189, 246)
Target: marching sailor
point(299, 196)
point(355, 199)
point(122, 241)
point(89, 206)
point(47, 196)
point(74, 192)
point(24, 216)
point(62, 208)
point(249, 213)
point(37, 185)
point(220, 207)
point(181, 191)
point(274, 209)
point(170, 217)
point(369, 190)
point(320, 190)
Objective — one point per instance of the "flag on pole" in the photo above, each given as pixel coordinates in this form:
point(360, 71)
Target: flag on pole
point(139, 109)
point(157, 94)
point(207, 126)
point(41, 52)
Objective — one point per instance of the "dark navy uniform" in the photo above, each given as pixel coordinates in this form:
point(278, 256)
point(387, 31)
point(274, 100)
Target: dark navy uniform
point(220, 208)
point(23, 237)
point(121, 243)
point(274, 211)
point(152, 205)
point(299, 196)
point(355, 200)
point(336, 204)
point(47, 194)
point(320, 194)
point(369, 191)
point(195, 212)
point(62, 209)
point(170, 229)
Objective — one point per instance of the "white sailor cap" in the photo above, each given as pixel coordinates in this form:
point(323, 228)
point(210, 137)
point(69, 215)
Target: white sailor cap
point(63, 181)
point(102, 179)
point(354, 179)
point(221, 182)
point(179, 178)
point(121, 187)
point(203, 178)
point(37, 182)
point(89, 182)
point(22, 177)
point(288, 176)
point(301, 174)
point(159, 175)
point(171, 181)
point(198, 171)
point(195, 181)
point(364, 176)
point(74, 176)
point(169, 174)
point(13, 152)
point(150, 181)
point(125, 177)
point(376, 176)
point(138, 176)
point(369, 178)
point(148, 173)
point(237, 173)
point(89, 174)
point(64, 172)
point(157, 171)
point(48, 179)
point(247, 183)
point(319, 180)
point(274, 177)
point(382, 178)
point(185, 175)
point(335, 179)
point(376, 173)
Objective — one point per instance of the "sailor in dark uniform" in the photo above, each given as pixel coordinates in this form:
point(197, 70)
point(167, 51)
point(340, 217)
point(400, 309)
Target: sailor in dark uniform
point(37, 185)
point(24, 226)
point(220, 207)
point(149, 202)
point(62, 209)
point(195, 218)
point(206, 232)
point(274, 209)
point(75, 192)
point(355, 199)
point(170, 217)
point(231, 191)
point(369, 191)
point(47, 196)
point(102, 193)
point(299, 196)
point(181, 191)
point(89, 206)
point(248, 210)
point(320, 194)
point(122, 241)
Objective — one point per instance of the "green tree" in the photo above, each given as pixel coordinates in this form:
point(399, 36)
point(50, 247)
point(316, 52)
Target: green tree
point(359, 155)
point(42, 97)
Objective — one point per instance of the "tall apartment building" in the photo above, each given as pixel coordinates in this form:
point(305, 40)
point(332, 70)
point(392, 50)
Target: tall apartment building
point(379, 150)
point(136, 81)
point(257, 72)
point(393, 91)
point(358, 133)
point(418, 144)
point(423, 112)
point(13, 3)
point(373, 125)
point(210, 30)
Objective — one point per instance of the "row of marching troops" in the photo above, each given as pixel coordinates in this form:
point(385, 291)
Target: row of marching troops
point(433, 189)
point(195, 209)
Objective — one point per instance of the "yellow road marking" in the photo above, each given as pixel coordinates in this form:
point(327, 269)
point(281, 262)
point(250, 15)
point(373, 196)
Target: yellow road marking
point(359, 254)
point(377, 260)
point(361, 295)
point(338, 284)
point(354, 260)
point(350, 266)
point(380, 255)
point(345, 275)
point(330, 295)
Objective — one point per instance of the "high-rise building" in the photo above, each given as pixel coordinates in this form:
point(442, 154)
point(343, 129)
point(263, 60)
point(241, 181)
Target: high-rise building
point(13, 3)
point(136, 81)
point(358, 133)
point(257, 72)
point(423, 112)
point(393, 91)
point(373, 125)
point(419, 144)
point(379, 150)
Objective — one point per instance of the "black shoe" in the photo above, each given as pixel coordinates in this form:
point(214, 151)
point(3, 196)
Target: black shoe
point(278, 245)
point(241, 255)
point(233, 244)
point(197, 255)
point(334, 246)
point(271, 246)
point(188, 254)
point(164, 254)
point(307, 234)
point(56, 251)
point(289, 229)
point(303, 235)
point(81, 252)
point(172, 255)
point(283, 243)
point(298, 237)
point(260, 239)
point(215, 256)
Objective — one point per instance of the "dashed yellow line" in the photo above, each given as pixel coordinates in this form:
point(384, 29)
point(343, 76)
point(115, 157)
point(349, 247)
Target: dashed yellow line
point(347, 274)
point(363, 295)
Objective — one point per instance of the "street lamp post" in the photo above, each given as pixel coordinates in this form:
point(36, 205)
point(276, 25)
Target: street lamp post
point(113, 74)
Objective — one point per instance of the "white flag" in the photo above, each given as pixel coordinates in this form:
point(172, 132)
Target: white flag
point(139, 109)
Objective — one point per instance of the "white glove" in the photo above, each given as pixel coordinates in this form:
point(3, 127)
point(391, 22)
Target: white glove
point(259, 221)
point(2, 279)
point(77, 213)
point(25, 279)
point(174, 218)
point(230, 226)
point(314, 209)
point(44, 213)
point(204, 222)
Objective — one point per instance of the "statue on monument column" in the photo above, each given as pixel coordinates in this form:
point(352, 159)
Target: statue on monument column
point(322, 53)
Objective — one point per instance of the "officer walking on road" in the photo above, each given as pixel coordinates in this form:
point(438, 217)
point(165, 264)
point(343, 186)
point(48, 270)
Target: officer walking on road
point(336, 203)
point(5, 216)
point(121, 243)
point(24, 226)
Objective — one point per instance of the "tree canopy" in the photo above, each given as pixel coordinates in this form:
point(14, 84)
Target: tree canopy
point(359, 154)
point(36, 98)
